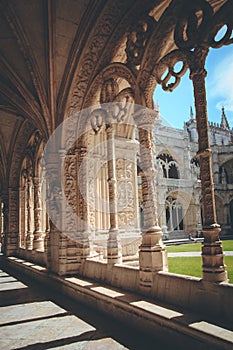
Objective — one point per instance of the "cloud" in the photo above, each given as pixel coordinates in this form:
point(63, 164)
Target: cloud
point(220, 85)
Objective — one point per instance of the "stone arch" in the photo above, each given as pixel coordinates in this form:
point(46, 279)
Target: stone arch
point(25, 133)
point(169, 165)
point(221, 211)
point(186, 210)
point(112, 71)
point(226, 172)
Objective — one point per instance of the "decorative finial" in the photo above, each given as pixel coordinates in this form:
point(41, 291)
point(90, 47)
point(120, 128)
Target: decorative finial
point(224, 122)
point(191, 113)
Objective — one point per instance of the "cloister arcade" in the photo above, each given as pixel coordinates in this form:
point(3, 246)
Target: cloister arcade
point(77, 83)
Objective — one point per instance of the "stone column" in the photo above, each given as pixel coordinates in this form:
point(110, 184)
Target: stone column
point(29, 235)
point(213, 267)
point(1, 225)
point(5, 222)
point(11, 222)
point(114, 250)
point(152, 253)
point(22, 206)
point(82, 194)
point(38, 240)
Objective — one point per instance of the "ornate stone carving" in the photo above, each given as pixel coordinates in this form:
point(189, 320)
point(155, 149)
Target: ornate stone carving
point(112, 72)
point(38, 241)
point(152, 254)
point(167, 65)
point(137, 40)
point(194, 34)
point(88, 61)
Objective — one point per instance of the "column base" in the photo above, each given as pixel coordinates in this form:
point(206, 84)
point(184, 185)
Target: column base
point(29, 241)
point(152, 256)
point(85, 245)
point(38, 241)
point(114, 250)
point(213, 267)
point(215, 276)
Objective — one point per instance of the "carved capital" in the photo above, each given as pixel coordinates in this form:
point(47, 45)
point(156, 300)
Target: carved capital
point(145, 118)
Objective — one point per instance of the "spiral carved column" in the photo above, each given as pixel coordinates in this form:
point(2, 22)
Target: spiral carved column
point(38, 240)
point(29, 235)
point(213, 267)
point(152, 253)
point(113, 245)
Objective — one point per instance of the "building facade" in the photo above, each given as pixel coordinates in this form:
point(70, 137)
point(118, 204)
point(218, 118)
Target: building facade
point(178, 179)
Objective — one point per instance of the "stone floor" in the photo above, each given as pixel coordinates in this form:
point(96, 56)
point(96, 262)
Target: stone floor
point(34, 318)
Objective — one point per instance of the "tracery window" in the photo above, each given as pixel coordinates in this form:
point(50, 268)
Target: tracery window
point(174, 214)
point(195, 168)
point(169, 166)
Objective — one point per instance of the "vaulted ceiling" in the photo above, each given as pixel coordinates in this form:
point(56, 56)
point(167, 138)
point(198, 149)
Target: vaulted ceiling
point(51, 50)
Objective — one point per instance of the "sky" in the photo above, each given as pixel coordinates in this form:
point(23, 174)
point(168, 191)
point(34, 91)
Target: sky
point(175, 106)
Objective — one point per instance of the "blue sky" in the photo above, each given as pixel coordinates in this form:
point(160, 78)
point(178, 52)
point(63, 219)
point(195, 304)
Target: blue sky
point(175, 106)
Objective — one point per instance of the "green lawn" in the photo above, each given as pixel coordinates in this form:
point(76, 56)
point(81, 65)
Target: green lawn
point(196, 247)
point(191, 266)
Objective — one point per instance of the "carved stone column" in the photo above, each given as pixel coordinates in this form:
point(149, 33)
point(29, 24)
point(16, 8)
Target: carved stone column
point(85, 247)
point(114, 250)
point(11, 222)
point(152, 253)
point(38, 240)
point(29, 235)
point(212, 254)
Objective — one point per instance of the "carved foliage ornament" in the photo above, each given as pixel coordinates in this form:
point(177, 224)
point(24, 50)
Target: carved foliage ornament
point(137, 40)
point(199, 25)
point(166, 73)
point(115, 105)
point(194, 33)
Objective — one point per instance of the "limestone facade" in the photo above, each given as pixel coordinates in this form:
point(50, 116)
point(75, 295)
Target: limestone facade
point(178, 180)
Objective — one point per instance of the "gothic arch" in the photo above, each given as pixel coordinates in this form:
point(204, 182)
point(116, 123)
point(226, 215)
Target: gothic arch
point(97, 52)
point(175, 23)
point(23, 137)
point(169, 165)
point(112, 71)
point(221, 211)
point(227, 171)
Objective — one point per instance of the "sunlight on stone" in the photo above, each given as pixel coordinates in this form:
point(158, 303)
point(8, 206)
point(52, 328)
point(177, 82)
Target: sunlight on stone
point(78, 281)
point(29, 311)
point(161, 311)
point(106, 291)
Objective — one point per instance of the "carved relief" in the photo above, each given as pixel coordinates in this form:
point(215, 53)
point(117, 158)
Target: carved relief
point(88, 62)
point(137, 40)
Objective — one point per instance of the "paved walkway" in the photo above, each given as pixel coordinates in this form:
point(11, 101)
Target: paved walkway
point(193, 254)
point(33, 318)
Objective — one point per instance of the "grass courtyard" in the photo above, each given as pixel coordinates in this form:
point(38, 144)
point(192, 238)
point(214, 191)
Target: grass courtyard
point(191, 266)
